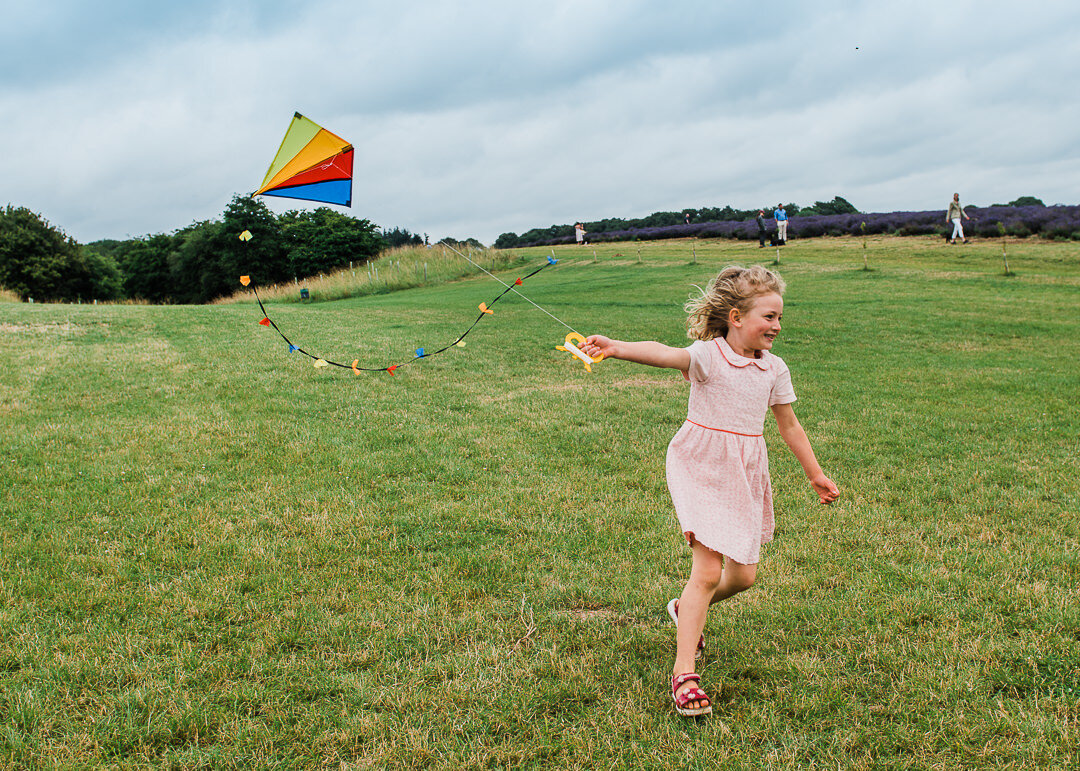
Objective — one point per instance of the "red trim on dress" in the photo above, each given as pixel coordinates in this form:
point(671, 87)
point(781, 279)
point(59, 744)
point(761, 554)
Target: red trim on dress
point(724, 430)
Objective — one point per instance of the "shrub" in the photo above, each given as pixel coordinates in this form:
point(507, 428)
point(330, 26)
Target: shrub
point(810, 229)
point(1017, 229)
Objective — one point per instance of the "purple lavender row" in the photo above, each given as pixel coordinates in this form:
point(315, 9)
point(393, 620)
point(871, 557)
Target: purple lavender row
point(1058, 222)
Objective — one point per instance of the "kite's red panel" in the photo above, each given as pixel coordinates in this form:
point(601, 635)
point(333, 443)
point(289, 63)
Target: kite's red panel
point(334, 168)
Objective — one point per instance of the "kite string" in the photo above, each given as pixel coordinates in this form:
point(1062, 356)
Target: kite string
point(510, 288)
point(270, 322)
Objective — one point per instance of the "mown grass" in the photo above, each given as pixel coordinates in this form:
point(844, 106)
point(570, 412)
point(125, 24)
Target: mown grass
point(214, 554)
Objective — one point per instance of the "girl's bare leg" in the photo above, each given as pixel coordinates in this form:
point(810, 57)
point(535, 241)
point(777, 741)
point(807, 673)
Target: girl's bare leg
point(736, 578)
point(706, 578)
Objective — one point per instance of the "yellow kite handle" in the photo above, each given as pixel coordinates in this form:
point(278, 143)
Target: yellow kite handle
point(569, 346)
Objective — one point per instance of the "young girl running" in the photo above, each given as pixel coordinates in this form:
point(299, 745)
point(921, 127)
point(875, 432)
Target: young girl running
point(717, 466)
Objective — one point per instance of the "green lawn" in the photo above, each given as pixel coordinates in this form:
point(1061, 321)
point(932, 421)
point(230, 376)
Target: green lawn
point(215, 555)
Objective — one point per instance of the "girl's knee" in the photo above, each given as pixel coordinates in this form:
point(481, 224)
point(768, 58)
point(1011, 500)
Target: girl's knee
point(706, 580)
point(738, 577)
point(707, 569)
point(740, 583)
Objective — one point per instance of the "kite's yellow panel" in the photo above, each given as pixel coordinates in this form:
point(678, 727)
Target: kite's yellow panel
point(320, 147)
point(301, 131)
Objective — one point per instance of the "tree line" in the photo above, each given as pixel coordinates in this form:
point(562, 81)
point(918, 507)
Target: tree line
point(669, 218)
point(194, 264)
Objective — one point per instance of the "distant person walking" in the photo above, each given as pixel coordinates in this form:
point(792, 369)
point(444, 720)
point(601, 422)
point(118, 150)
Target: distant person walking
point(760, 220)
point(956, 211)
point(781, 223)
point(579, 233)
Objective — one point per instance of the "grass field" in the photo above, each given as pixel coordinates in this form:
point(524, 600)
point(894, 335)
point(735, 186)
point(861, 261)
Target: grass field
point(215, 555)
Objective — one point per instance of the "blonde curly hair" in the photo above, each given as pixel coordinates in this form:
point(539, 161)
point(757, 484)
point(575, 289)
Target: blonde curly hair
point(735, 287)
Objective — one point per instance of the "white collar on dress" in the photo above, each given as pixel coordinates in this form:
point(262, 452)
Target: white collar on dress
point(737, 360)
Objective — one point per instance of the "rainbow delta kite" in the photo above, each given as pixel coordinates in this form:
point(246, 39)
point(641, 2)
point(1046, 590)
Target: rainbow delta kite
point(312, 164)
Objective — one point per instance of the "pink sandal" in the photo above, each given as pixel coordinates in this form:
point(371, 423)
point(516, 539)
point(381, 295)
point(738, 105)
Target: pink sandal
point(689, 695)
point(673, 611)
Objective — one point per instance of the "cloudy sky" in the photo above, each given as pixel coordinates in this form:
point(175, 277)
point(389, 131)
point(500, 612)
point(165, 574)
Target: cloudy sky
point(471, 118)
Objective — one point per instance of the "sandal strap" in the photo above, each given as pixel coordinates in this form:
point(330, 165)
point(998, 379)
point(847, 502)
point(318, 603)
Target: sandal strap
point(678, 680)
point(692, 694)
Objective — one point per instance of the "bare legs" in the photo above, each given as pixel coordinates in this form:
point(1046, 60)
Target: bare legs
point(712, 578)
point(735, 578)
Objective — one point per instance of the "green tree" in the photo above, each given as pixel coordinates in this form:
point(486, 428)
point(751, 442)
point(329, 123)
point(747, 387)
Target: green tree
point(105, 246)
point(324, 240)
point(103, 278)
point(1027, 200)
point(837, 205)
point(402, 237)
point(468, 242)
point(192, 264)
point(265, 257)
point(660, 219)
point(144, 263)
point(38, 260)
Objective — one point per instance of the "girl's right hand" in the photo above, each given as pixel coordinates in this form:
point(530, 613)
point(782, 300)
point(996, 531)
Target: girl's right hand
point(596, 345)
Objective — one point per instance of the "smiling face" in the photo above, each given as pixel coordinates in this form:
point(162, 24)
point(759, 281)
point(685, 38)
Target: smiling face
point(756, 329)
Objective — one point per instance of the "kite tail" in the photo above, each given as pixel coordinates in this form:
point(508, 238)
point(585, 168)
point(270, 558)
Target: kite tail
point(485, 310)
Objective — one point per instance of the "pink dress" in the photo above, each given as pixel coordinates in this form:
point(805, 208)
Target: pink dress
point(717, 464)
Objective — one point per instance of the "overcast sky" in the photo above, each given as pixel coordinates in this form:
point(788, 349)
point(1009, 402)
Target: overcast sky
point(125, 118)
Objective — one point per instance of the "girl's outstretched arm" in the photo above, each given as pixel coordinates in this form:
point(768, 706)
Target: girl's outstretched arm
point(793, 434)
point(653, 354)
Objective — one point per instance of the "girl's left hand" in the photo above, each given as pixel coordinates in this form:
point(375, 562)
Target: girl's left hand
point(825, 488)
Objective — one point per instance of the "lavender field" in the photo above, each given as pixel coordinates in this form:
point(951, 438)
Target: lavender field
point(1057, 222)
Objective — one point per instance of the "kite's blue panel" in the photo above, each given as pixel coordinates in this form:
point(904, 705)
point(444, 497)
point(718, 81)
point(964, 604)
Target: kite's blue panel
point(337, 191)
